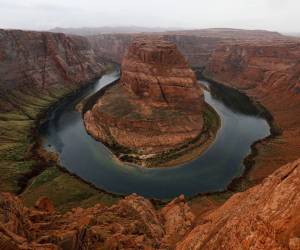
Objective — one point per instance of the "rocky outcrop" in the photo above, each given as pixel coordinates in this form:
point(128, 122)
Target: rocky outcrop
point(156, 107)
point(269, 73)
point(264, 217)
point(133, 223)
point(155, 71)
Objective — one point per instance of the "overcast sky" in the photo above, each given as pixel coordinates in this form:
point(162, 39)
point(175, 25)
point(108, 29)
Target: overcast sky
point(280, 15)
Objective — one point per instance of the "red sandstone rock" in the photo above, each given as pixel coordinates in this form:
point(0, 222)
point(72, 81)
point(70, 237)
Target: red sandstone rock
point(133, 223)
point(270, 74)
point(196, 45)
point(262, 64)
point(153, 69)
point(44, 204)
point(41, 60)
point(178, 219)
point(264, 217)
point(157, 106)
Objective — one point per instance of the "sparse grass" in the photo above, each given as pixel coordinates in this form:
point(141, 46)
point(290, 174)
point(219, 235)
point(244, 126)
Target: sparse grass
point(11, 171)
point(13, 151)
point(64, 190)
point(16, 139)
point(211, 120)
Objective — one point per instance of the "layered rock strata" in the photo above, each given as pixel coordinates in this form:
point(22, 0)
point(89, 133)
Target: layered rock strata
point(133, 223)
point(157, 105)
point(270, 74)
point(264, 217)
point(43, 59)
point(196, 45)
point(37, 69)
point(259, 63)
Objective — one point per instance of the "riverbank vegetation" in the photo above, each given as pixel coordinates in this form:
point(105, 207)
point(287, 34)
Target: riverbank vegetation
point(24, 167)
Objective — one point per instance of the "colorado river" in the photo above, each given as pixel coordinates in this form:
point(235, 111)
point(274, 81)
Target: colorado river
point(64, 132)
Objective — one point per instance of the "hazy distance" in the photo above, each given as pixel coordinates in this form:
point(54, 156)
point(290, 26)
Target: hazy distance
point(276, 15)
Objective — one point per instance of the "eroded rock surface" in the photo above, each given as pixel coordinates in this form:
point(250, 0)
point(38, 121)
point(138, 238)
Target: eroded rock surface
point(264, 217)
point(37, 69)
point(43, 61)
point(196, 45)
point(133, 223)
point(157, 105)
point(270, 74)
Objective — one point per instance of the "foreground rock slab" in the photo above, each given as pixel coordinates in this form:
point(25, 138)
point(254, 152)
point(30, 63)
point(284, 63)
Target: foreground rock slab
point(133, 223)
point(264, 217)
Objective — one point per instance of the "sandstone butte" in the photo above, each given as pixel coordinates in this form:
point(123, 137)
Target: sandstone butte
point(264, 217)
point(156, 107)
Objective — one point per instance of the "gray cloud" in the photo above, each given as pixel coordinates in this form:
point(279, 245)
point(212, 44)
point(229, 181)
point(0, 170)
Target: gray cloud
point(281, 15)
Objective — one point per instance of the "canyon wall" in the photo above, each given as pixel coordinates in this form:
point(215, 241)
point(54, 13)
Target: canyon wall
point(36, 70)
point(41, 60)
point(270, 74)
point(195, 48)
point(111, 46)
point(44, 59)
point(196, 45)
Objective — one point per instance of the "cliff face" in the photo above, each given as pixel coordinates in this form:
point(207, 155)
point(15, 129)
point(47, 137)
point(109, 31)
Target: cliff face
point(196, 45)
point(270, 73)
point(43, 60)
point(264, 217)
point(111, 46)
point(196, 49)
point(36, 70)
point(155, 71)
point(156, 107)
